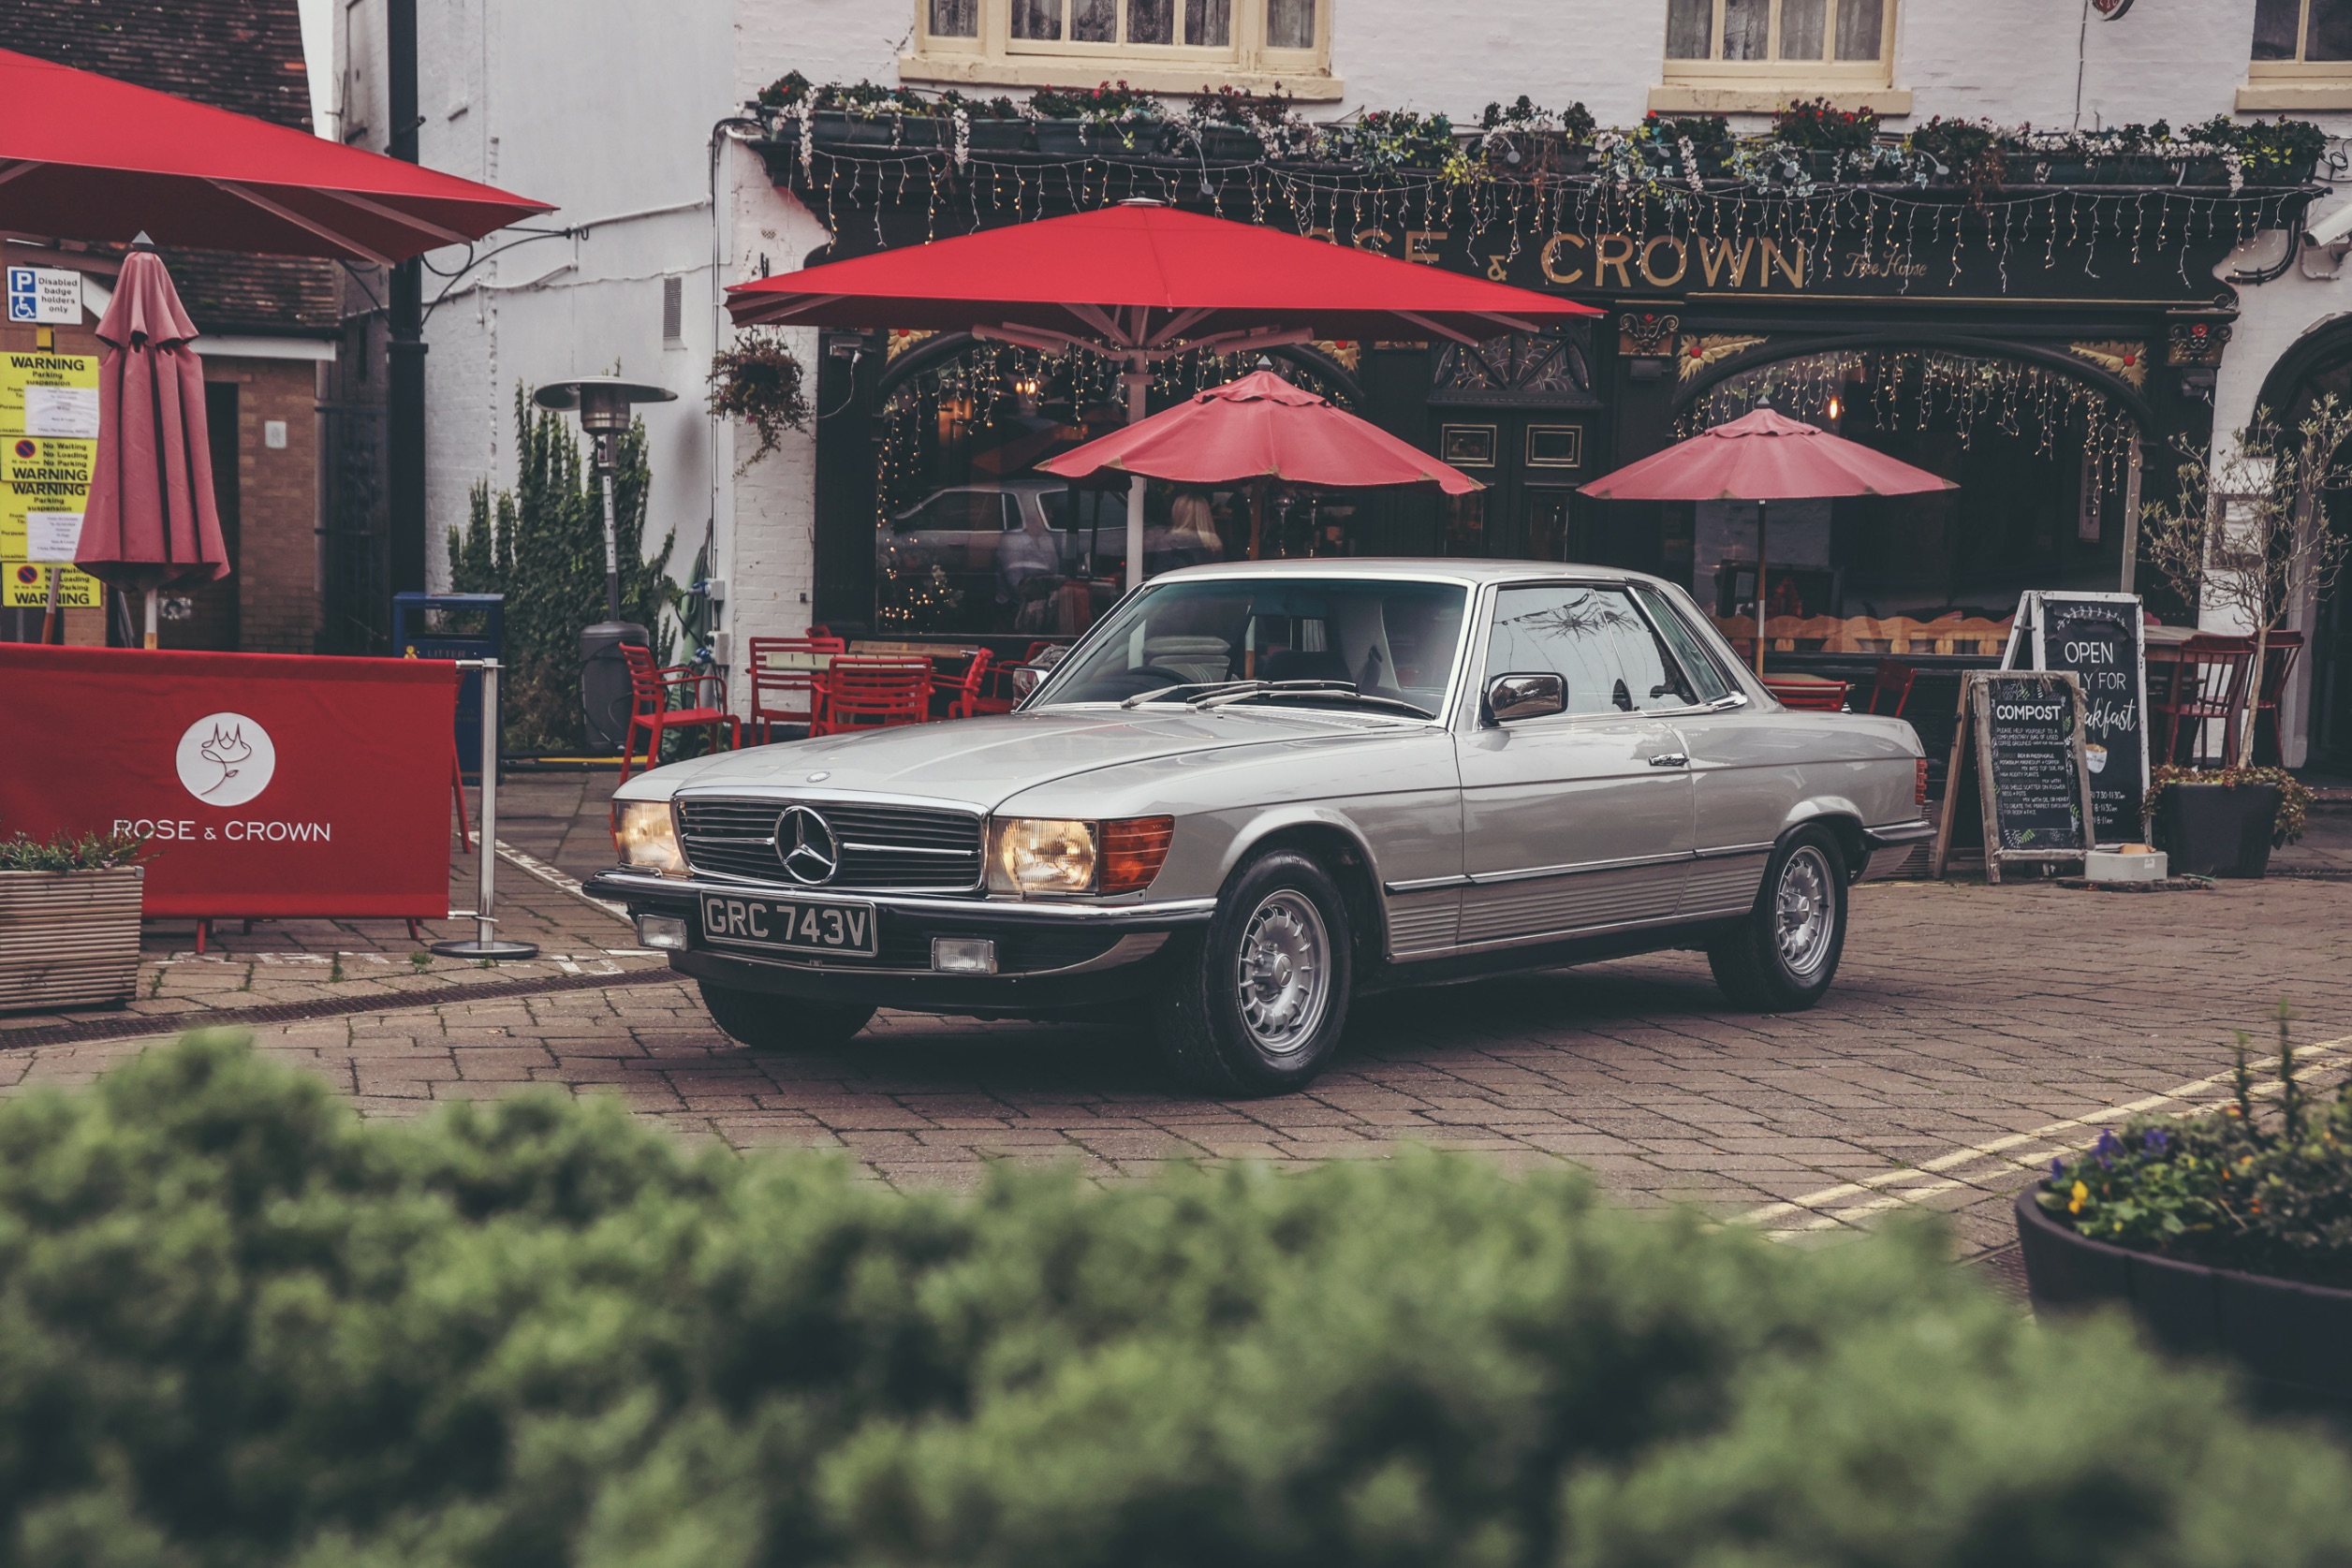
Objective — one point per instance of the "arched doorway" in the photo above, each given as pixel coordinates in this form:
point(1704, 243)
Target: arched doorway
point(2315, 708)
point(2042, 444)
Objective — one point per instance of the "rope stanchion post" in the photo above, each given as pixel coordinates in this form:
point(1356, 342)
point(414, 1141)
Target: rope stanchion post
point(486, 942)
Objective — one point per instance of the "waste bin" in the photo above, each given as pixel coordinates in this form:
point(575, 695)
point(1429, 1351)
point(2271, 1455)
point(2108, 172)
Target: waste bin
point(422, 629)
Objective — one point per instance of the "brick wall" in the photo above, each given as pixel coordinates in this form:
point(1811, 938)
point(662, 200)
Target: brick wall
point(276, 580)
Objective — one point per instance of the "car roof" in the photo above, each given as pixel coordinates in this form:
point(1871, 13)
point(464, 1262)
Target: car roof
point(1413, 569)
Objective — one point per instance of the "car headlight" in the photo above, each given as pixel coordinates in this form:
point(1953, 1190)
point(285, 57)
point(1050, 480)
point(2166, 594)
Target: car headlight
point(641, 831)
point(1045, 855)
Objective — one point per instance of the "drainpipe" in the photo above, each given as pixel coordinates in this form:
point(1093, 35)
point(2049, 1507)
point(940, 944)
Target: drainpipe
point(405, 413)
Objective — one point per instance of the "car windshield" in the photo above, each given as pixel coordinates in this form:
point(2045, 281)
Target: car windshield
point(1393, 640)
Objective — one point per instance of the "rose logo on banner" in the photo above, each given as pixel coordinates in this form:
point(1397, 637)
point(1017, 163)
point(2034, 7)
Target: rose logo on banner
point(226, 759)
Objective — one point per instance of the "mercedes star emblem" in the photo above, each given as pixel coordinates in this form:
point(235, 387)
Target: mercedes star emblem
point(805, 841)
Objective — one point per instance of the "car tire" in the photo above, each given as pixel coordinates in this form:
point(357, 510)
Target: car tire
point(1259, 1000)
point(765, 1022)
point(1782, 958)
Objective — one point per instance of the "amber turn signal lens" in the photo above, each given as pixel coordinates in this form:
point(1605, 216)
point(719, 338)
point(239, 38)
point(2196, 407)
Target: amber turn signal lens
point(1133, 850)
point(1918, 783)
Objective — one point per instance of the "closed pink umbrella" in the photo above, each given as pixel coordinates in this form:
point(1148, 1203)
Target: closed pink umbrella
point(1763, 457)
point(151, 519)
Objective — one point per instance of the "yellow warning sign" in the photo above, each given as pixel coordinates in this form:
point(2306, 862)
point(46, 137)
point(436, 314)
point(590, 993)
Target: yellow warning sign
point(28, 586)
point(50, 394)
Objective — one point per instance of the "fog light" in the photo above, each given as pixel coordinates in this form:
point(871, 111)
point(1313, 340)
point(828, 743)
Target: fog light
point(666, 932)
point(963, 955)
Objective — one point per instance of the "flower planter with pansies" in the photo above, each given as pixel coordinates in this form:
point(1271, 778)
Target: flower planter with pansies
point(69, 912)
point(2225, 1234)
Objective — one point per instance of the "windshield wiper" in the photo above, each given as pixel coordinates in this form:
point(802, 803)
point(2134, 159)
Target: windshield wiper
point(1206, 688)
point(1303, 691)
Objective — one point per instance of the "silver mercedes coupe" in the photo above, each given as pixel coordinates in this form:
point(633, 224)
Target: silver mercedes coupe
point(1256, 793)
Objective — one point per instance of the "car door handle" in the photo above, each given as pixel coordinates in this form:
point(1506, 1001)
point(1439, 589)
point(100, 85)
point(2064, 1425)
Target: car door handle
point(1669, 760)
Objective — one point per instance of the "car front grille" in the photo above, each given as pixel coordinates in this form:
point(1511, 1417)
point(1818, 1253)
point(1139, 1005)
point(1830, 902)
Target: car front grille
point(882, 847)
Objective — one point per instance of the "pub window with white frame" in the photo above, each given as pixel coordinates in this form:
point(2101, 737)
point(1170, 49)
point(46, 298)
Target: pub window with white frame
point(2303, 38)
point(2302, 57)
point(1755, 55)
point(1164, 46)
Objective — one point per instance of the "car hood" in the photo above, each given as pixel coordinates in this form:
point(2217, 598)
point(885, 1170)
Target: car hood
point(984, 762)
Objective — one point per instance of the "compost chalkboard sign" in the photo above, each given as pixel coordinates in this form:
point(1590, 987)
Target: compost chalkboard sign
point(2101, 639)
point(2018, 755)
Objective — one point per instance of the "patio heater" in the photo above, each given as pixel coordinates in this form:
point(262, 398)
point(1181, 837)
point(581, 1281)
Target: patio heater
point(603, 403)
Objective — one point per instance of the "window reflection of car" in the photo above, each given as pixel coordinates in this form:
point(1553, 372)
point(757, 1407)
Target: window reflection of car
point(1026, 528)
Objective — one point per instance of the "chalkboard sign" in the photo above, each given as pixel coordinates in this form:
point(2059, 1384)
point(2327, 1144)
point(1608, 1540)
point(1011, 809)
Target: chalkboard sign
point(2101, 639)
point(2018, 755)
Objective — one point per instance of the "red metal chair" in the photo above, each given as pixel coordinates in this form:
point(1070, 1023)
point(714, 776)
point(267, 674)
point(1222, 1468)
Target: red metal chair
point(866, 692)
point(1889, 689)
point(650, 685)
point(971, 690)
point(1816, 696)
point(788, 697)
point(2209, 676)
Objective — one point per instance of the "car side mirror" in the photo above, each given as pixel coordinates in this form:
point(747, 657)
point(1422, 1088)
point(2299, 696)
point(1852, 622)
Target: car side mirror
point(1525, 696)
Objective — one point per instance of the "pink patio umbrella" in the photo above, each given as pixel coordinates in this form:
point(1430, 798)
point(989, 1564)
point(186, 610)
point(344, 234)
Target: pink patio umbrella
point(151, 519)
point(1259, 429)
point(1763, 457)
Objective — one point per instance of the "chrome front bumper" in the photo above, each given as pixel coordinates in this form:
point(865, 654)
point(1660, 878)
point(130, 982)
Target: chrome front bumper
point(1057, 956)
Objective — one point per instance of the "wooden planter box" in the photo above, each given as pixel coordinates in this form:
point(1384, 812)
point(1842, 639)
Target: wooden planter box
point(2292, 1341)
point(68, 939)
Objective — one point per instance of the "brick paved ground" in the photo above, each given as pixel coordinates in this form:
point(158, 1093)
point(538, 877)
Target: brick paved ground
point(1965, 1015)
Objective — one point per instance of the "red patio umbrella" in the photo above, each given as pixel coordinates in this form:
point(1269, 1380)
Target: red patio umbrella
point(1763, 457)
point(84, 156)
point(1259, 428)
point(151, 519)
point(1140, 283)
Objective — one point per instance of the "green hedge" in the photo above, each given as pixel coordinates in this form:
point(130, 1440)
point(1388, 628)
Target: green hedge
point(237, 1327)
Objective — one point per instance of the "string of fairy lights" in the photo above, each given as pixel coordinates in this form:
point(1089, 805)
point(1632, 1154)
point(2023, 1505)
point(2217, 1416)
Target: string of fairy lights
point(1500, 216)
point(1000, 397)
point(1931, 389)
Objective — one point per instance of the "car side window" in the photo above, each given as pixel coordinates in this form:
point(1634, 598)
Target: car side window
point(1591, 637)
point(1707, 682)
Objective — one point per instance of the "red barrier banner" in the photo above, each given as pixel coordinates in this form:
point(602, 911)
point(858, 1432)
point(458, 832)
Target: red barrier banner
point(271, 783)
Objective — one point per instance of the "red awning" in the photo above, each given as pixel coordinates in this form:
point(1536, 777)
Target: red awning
point(1764, 456)
point(1140, 274)
point(84, 156)
point(1260, 427)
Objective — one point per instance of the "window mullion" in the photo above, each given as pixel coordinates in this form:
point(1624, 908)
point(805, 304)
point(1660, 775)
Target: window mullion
point(2302, 32)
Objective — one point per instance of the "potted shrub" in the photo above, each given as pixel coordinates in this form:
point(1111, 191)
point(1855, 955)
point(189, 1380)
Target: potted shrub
point(2228, 1232)
point(987, 124)
point(2248, 537)
point(1108, 118)
point(1228, 123)
point(1825, 138)
point(1382, 139)
point(2225, 821)
point(69, 920)
point(1519, 138)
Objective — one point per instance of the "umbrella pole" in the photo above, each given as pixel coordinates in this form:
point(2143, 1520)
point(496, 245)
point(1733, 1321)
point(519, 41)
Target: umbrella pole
point(1139, 390)
point(152, 595)
point(50, 630)
point(1759, 589)
point(1258, 517)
